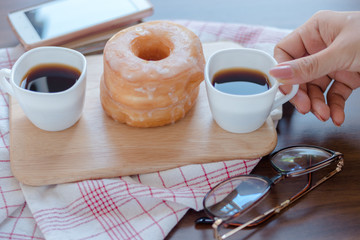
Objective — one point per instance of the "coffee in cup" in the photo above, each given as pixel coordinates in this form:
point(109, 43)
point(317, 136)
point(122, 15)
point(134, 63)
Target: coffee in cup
point(49, 83)
point(240, 91)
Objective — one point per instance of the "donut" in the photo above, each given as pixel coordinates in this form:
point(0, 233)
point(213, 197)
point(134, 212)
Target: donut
point(152, 73)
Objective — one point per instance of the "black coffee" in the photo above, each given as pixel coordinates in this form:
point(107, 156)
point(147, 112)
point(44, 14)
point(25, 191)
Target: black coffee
point(241, 81)
point(50, 78)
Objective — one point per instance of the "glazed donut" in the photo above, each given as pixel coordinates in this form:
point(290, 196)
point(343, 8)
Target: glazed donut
point(152, 73)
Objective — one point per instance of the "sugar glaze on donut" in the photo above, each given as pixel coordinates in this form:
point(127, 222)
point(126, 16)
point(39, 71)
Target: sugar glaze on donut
point(152, 73)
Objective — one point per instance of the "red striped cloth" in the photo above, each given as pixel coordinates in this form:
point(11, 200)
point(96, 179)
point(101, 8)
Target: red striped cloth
point(144, 206)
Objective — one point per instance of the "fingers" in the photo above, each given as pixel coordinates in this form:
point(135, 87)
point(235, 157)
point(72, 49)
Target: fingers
point(307, 68)
point(336, 100)
point(339, 92)
point(310, 97)
point(283, 52)
point(304, 41)
point(318, 103)
point(308, 53)
point(301, 100)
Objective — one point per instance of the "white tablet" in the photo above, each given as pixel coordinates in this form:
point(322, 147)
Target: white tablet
point(57, 22)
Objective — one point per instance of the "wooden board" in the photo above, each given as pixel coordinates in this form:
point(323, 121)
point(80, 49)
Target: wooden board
point(98, 147)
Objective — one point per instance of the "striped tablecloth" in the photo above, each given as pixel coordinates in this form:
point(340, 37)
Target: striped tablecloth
point(144, 206)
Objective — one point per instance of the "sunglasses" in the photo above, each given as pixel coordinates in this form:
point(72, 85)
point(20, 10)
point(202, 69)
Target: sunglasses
point(236, 196)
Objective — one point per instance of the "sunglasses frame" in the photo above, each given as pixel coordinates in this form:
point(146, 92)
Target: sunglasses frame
point(335, 157)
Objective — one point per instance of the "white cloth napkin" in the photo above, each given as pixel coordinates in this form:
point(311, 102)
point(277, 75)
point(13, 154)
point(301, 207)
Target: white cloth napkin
point(143, 206)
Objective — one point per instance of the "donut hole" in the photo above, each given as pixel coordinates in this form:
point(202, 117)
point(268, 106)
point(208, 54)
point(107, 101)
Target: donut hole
point(151, 49)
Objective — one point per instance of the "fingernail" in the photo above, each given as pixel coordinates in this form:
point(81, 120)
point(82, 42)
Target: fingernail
point(337, 124)
point(319, 117)
point(282, 72)
point(298, 109)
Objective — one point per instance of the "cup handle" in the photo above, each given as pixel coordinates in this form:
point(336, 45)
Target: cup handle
point(4, 83)
point(284, 98)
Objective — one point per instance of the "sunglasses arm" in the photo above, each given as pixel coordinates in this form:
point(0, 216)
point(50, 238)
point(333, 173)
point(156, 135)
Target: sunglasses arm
point(218, 222)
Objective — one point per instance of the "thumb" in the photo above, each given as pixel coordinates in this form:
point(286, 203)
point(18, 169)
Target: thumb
point(307, 68)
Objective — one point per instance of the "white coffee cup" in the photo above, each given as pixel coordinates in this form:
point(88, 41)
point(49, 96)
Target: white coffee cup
point(48, 111)
point(243, 113)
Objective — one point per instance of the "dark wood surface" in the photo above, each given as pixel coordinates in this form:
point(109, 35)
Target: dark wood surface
point(332, 210)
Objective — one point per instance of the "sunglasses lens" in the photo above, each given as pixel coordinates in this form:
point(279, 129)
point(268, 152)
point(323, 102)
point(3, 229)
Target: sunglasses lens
point(235, 196)
point(299, 158)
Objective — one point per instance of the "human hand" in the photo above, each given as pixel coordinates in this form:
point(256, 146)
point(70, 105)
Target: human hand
point(321, 55)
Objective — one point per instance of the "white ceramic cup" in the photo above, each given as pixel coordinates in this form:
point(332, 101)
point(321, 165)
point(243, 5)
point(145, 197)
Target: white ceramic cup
point(243, 113)
point(48, 111)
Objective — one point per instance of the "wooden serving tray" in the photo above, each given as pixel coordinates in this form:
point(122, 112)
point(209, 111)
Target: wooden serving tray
point(98, 147)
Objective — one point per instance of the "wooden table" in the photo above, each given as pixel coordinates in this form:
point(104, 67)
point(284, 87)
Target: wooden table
point(332, 210)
